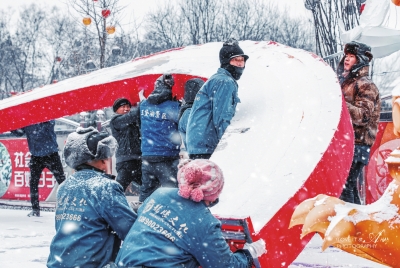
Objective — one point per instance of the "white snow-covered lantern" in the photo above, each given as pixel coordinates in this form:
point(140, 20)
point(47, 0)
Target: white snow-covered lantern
point(259, 152)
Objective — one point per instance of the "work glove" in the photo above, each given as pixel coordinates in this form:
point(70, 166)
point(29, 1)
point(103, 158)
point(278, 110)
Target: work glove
point(256, 249)
point(141, 95)
point(168, 80)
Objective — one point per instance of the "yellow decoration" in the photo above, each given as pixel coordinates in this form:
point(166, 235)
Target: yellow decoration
point(87, 21)
point(110, 29)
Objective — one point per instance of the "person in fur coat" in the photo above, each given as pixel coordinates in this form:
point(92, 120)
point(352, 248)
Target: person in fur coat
point(364, 105)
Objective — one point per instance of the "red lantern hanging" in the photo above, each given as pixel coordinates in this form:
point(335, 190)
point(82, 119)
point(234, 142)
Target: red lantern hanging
point(87, 21)
point(58, 59)
point(105, 13)
point(110, 29)
point(396, 2)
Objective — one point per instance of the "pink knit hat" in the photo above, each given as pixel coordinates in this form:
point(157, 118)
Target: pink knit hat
point(200, 179)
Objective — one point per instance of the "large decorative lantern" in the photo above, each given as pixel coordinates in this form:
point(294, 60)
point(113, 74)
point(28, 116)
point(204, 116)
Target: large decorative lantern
point(105, 13)
point(110, 29)
point(396, 2)
point(87, 21)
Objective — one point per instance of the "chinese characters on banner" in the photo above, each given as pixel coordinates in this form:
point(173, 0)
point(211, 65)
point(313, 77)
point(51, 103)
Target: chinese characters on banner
point(18, 188)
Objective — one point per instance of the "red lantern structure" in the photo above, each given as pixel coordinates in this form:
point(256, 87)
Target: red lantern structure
point(110, 29)
point(396, 2)
point(58, 59)
point(87, 21)
point(105, 13)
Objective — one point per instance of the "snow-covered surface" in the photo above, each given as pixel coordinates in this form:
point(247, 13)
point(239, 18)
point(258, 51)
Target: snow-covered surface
point(25, 242)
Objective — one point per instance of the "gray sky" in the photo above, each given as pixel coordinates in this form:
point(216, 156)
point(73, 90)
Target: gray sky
point(140, 7)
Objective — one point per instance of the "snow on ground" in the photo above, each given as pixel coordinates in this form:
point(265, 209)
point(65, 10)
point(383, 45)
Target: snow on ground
point(25, 242)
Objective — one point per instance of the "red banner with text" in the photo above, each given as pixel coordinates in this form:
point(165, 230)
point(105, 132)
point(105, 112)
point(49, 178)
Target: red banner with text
point(15, 172)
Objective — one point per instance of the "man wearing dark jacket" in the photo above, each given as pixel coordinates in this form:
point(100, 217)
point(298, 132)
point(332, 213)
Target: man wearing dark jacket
point(364, 105)
point(42, 143)
point(125, 127)
point(160, 138)
point(192, 86)
point(215, 103)
point(92, 214)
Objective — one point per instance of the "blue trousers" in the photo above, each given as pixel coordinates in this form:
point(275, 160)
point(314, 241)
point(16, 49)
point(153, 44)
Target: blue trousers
point(158, 174)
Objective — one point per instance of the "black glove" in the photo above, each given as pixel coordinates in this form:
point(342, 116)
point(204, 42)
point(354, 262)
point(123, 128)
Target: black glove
point(168, 80)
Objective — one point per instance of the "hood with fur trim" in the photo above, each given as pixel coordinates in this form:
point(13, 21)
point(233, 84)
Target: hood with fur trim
point(362, 53)
point(77, 152)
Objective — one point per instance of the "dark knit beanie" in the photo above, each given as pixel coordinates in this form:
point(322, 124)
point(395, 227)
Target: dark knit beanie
point(120, 102)
point(94, 139)
point(230, 49)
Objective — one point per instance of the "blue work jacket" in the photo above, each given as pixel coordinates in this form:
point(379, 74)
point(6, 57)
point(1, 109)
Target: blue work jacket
point(212, 112)
point(91, 207)
point(172, 231)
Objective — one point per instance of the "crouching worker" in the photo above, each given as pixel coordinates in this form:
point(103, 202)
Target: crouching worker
point(92, 214)
point(175, 228)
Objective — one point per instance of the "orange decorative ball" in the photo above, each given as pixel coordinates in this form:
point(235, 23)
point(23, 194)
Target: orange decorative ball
point(87, 21)
point(396, 2)
point(110, 29)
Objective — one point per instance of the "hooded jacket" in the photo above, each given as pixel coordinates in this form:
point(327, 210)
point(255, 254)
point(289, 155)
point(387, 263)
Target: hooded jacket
point(362, 100)
point(126, 130)
point(192, 86)
point(172, 231)
point(159, 123)
point(211, 113)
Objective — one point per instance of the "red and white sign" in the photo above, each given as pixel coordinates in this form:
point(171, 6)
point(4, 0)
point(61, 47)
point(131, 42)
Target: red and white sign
point(17, 182)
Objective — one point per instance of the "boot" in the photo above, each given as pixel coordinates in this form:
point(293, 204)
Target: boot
point(34, 213)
